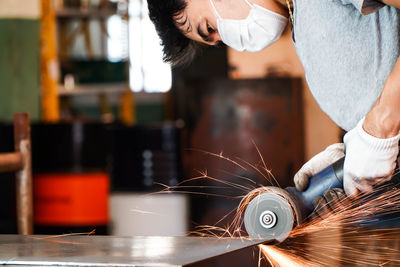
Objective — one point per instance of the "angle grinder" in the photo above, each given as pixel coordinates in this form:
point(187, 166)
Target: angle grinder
point(273, 213)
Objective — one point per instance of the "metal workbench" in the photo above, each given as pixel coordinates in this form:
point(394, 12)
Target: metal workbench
point(86, 250)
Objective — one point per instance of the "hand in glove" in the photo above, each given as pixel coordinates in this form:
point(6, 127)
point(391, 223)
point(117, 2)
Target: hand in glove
point(369, 160)
point(317, 163)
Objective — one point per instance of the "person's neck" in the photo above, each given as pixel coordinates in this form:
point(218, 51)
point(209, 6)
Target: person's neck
point(283, 3)
point(282, 6)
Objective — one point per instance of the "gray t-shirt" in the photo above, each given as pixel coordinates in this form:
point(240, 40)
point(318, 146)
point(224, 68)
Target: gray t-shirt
point(348, 49)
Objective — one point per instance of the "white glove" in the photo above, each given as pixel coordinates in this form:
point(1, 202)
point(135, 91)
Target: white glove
point(317, 163)
point(369, 160)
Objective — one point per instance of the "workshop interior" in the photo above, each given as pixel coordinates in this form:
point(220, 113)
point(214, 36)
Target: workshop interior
point(111, 157)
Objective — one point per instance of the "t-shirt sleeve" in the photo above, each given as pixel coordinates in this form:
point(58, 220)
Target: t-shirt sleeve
point(367, 7)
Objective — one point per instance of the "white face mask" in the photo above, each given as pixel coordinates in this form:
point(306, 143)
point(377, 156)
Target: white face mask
point(260, 29)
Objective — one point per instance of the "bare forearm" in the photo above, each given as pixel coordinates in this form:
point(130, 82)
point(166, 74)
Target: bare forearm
point(394, 3)
point(383, 121)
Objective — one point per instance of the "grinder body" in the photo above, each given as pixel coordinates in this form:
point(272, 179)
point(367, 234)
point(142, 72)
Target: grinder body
point(328, 178)
point(273, 213)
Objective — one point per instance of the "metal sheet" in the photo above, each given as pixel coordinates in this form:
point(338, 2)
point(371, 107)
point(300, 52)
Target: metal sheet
point(114, 251)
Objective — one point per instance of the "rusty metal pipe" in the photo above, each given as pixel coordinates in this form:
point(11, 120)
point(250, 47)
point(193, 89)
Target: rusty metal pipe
point(22, 145)
point(10, 162)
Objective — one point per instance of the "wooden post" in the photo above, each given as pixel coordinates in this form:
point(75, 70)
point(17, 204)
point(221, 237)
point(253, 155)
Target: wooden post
point(49, 63)
point(22, 143)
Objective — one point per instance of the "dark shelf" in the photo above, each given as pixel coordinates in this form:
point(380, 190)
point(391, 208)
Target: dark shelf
point(76, 13)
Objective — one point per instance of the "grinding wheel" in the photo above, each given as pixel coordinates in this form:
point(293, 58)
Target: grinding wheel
point(270, 215)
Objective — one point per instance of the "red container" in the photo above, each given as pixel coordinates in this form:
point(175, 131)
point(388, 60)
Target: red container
point(63, 199)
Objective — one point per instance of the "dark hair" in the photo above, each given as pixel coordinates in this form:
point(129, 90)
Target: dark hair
point(177, 48)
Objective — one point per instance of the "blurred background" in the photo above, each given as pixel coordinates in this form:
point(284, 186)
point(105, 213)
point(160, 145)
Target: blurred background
point(111, 124)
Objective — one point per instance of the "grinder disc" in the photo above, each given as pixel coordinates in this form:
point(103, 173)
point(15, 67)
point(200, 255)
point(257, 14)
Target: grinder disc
point(269, 215)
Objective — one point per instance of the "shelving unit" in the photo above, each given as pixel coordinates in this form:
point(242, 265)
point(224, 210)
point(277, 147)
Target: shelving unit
point(84, 37)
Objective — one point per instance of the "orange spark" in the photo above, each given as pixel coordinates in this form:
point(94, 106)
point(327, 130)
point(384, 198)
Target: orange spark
point(337, 239)
point(280, 258)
